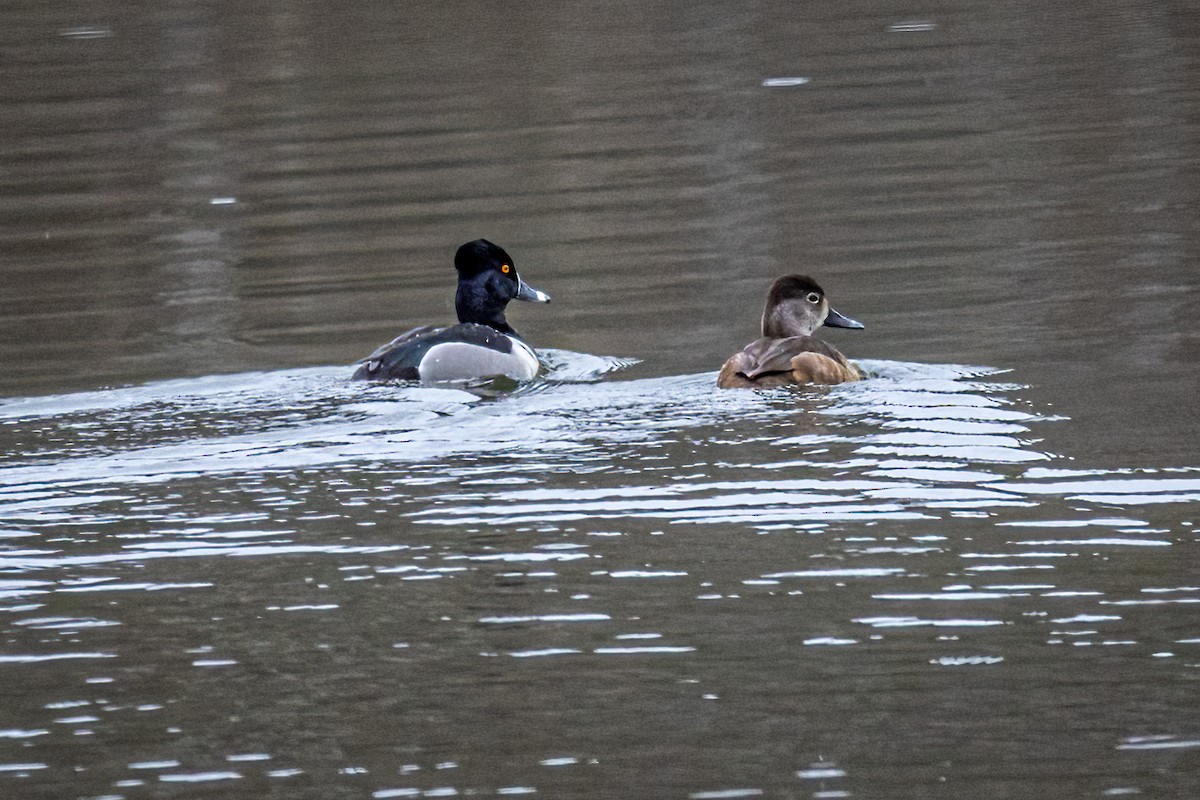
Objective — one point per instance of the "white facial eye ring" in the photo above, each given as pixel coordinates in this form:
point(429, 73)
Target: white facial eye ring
point(813, 297)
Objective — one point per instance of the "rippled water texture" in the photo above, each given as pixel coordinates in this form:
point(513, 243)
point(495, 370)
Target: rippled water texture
point(227, 571)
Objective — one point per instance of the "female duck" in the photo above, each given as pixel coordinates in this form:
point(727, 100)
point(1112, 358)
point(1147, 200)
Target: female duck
point(788, 352)
point(482, 345)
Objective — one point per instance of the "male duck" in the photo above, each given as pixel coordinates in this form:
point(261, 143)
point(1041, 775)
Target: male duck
point(788, 352)
point(482, 344)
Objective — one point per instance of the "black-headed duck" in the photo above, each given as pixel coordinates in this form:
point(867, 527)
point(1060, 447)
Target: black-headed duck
point(482, 345)
point(788, 352)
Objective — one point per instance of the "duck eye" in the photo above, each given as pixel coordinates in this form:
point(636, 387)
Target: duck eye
point(813, 297)
point(505, 268)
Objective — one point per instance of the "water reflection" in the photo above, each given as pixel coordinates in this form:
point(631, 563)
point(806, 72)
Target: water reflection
point(135, 476)
point(311, 418)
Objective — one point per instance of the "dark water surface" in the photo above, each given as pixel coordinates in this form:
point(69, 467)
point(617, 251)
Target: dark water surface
point(226, 571)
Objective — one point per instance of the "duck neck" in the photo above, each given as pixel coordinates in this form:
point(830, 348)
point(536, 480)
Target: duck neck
point(471, 311)
point(777, 325)
point(502, 326)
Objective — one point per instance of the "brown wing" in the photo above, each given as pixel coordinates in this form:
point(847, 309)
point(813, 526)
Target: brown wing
point(811, 367)
point(795, 359)
point(776, 355)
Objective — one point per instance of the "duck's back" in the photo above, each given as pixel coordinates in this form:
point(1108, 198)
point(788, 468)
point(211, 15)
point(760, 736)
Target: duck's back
point(794, 359)
point(463, 352)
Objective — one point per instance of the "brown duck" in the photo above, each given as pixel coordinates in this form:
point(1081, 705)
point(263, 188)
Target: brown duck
point(788, 352)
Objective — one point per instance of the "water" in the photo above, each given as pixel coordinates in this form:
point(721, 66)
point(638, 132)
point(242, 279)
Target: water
point(227, 571)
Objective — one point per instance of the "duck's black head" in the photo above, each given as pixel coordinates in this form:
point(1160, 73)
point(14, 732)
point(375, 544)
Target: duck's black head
point(796, 306)
point(487, 280)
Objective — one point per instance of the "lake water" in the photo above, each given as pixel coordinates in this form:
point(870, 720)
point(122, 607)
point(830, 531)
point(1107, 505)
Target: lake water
point(227, 571)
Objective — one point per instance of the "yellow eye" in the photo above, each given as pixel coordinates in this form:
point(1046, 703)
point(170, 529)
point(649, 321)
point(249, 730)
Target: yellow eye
point(506, 269)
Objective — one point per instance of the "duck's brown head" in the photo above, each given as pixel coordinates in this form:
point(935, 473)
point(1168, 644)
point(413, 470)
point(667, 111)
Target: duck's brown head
point(796, 306)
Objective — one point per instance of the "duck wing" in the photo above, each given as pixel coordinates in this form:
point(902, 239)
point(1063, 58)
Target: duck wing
point(400, 359)
point(763, 356)
point(399, 340)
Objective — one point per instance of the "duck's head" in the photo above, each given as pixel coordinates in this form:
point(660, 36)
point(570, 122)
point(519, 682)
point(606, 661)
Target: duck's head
point(487, 280)
point(796, 306)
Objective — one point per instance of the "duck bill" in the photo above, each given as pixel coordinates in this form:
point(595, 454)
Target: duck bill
point(836, 320)
point(527, 292)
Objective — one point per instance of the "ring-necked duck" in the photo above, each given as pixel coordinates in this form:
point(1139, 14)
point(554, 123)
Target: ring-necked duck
point(788, 352)
point(482, 344)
